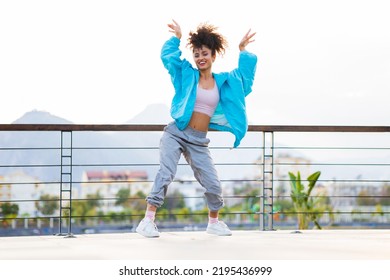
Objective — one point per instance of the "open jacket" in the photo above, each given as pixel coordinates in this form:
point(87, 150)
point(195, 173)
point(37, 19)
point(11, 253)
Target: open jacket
point(234, 86)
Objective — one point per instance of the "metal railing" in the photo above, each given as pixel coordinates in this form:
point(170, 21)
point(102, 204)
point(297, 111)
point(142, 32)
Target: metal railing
point(71, 160)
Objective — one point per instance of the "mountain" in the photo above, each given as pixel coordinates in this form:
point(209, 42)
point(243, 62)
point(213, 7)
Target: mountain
point(40, 117)
point(152, 114)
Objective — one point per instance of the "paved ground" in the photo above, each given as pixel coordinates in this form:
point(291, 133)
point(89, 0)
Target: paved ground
point(242, 245)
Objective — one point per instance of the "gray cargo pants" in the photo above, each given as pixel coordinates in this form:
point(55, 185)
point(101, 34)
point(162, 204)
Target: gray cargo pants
point(193, 144)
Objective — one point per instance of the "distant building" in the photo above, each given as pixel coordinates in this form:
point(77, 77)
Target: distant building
point(191, 190)
point(5, 190)
point(345, 193)
point(108, 183)
point(22, 189)
point(285, 163)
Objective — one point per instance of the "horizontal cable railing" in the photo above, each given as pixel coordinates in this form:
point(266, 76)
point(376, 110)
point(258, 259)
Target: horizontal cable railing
point(353, 189)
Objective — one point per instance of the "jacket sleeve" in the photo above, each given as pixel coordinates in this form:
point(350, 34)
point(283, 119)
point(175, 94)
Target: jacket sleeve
point(247, 63)
point(170, 56)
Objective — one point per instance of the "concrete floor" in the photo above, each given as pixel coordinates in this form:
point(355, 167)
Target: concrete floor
point(242, 245)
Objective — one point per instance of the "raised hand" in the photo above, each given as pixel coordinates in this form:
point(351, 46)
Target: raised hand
point(175, 29)
point(246, 40)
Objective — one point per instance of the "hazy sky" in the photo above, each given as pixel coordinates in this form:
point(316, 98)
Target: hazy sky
point(319, 62)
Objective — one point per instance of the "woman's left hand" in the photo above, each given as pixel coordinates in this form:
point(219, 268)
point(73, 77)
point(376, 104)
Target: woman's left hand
point(175, 29)
point(246, 40)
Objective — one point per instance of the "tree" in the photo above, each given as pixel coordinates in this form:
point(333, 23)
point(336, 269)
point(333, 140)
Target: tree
point(172, 203)
point(385, 193)
point(123, 197)
point(138, 202)
point(364, 199)
point(9, 211)
point(47, 204)
point(135, 202)
point(183, 214)
point(82, 209)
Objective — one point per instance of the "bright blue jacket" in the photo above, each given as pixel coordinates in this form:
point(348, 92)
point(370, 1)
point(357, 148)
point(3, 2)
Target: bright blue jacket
point(234, 86)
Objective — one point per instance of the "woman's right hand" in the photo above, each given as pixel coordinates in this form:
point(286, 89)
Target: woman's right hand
point(175, 28)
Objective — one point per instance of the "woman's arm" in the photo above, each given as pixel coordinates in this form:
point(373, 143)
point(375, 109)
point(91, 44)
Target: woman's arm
point(247, 63)
point(170, 52)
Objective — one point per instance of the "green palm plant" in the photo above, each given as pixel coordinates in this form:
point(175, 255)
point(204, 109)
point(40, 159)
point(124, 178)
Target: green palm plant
point(304, 205)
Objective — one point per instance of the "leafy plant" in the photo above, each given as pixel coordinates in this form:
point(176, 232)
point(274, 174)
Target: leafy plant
point(8, 211)
point(304, 205)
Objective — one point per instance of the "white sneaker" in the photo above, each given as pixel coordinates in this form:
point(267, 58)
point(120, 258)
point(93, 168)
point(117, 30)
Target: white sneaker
point(219, 228)
point(147, 228)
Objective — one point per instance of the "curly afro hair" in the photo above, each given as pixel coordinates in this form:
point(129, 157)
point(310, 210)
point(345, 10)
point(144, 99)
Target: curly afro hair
point(206, 35)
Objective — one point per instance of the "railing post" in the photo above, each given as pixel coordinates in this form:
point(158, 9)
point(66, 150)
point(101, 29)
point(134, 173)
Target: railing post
point(66, 182)
point(266, 196)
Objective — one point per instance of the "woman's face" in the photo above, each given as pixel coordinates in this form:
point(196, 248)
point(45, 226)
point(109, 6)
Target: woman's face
point(203, 58)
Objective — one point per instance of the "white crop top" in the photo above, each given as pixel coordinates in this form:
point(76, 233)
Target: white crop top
point(206, 100)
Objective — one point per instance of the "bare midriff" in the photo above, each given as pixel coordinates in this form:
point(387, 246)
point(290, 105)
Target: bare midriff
point(199, 121)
